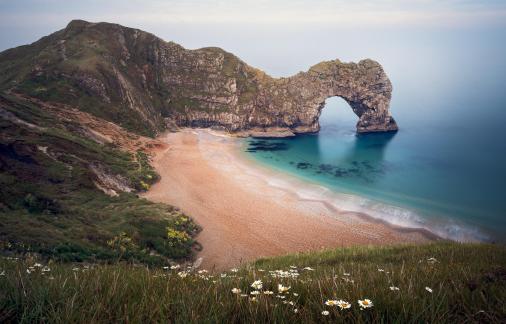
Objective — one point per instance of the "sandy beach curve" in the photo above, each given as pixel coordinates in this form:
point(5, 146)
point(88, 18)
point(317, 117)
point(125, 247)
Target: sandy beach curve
point(244, 214)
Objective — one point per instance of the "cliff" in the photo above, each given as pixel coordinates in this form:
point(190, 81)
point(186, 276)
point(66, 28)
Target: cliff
point(144, 84)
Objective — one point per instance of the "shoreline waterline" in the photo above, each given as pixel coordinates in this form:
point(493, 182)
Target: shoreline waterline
point(398, 217)
point(390, 211)
point(307, 190)
point(248, 211)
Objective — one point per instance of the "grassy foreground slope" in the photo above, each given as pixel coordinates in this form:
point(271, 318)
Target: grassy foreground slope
point(437, 283)
point(56, 166)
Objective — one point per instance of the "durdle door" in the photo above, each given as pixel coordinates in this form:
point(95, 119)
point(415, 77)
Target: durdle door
point(144, 83)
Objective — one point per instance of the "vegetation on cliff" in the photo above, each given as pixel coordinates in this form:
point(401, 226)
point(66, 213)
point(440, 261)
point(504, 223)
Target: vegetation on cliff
point(55, 173)
point(435, 283)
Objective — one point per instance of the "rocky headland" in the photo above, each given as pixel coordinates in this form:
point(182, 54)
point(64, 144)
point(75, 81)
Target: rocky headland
point(146, 84)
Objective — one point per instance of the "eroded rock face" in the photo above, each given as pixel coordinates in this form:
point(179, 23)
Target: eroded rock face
point(142, 82)
point(211, 87)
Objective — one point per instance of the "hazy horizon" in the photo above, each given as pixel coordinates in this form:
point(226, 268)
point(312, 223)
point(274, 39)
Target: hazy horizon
point(281, 37)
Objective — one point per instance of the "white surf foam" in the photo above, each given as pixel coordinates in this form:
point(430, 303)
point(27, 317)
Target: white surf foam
point(443, 227)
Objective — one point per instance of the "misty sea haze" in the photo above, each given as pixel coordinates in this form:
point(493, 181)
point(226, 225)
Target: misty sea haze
point(446, 168)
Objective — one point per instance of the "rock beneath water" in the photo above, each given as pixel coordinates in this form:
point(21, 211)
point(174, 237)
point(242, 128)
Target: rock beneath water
point(145, 84)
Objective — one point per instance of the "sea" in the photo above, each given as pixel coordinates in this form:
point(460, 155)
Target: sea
point(445, 169)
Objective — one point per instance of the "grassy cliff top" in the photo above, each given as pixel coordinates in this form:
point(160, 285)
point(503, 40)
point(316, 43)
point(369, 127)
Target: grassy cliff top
point(435, 283)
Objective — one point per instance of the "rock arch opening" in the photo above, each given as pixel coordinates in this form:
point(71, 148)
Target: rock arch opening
point(336, 112)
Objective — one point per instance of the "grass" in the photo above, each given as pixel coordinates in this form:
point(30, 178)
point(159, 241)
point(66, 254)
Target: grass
point(468, 283)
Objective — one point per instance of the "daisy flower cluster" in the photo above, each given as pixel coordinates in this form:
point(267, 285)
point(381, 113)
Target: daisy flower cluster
point(281, 292)
point(37, 267)
point(343, 305)
point(292, 273)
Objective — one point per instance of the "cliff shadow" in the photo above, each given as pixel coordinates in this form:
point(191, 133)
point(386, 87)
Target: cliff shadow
point(366, 158)
point(371, 146)
point(342, 155)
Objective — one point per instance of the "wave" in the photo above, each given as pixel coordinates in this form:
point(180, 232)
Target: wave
point(441, 226)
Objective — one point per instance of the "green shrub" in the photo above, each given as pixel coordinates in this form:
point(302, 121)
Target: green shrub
point(36, 204)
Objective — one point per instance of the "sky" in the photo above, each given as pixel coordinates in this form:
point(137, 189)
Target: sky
point(24, 21)
point(284, 37)
point(447, 12)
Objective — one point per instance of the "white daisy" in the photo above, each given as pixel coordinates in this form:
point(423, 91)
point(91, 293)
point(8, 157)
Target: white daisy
point(283, 289)
point(182, 274)
point(331, 302)
point(365, 303)
point(343, 304)
point(257, 284)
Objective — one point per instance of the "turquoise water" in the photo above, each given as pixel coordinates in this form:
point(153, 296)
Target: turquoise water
point(446, 165)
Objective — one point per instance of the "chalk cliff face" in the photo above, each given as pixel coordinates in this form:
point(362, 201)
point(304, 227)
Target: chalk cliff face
point(143, 83)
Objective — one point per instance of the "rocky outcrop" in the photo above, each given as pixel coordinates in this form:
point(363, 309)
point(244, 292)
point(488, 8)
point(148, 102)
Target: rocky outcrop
point(144, 83)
